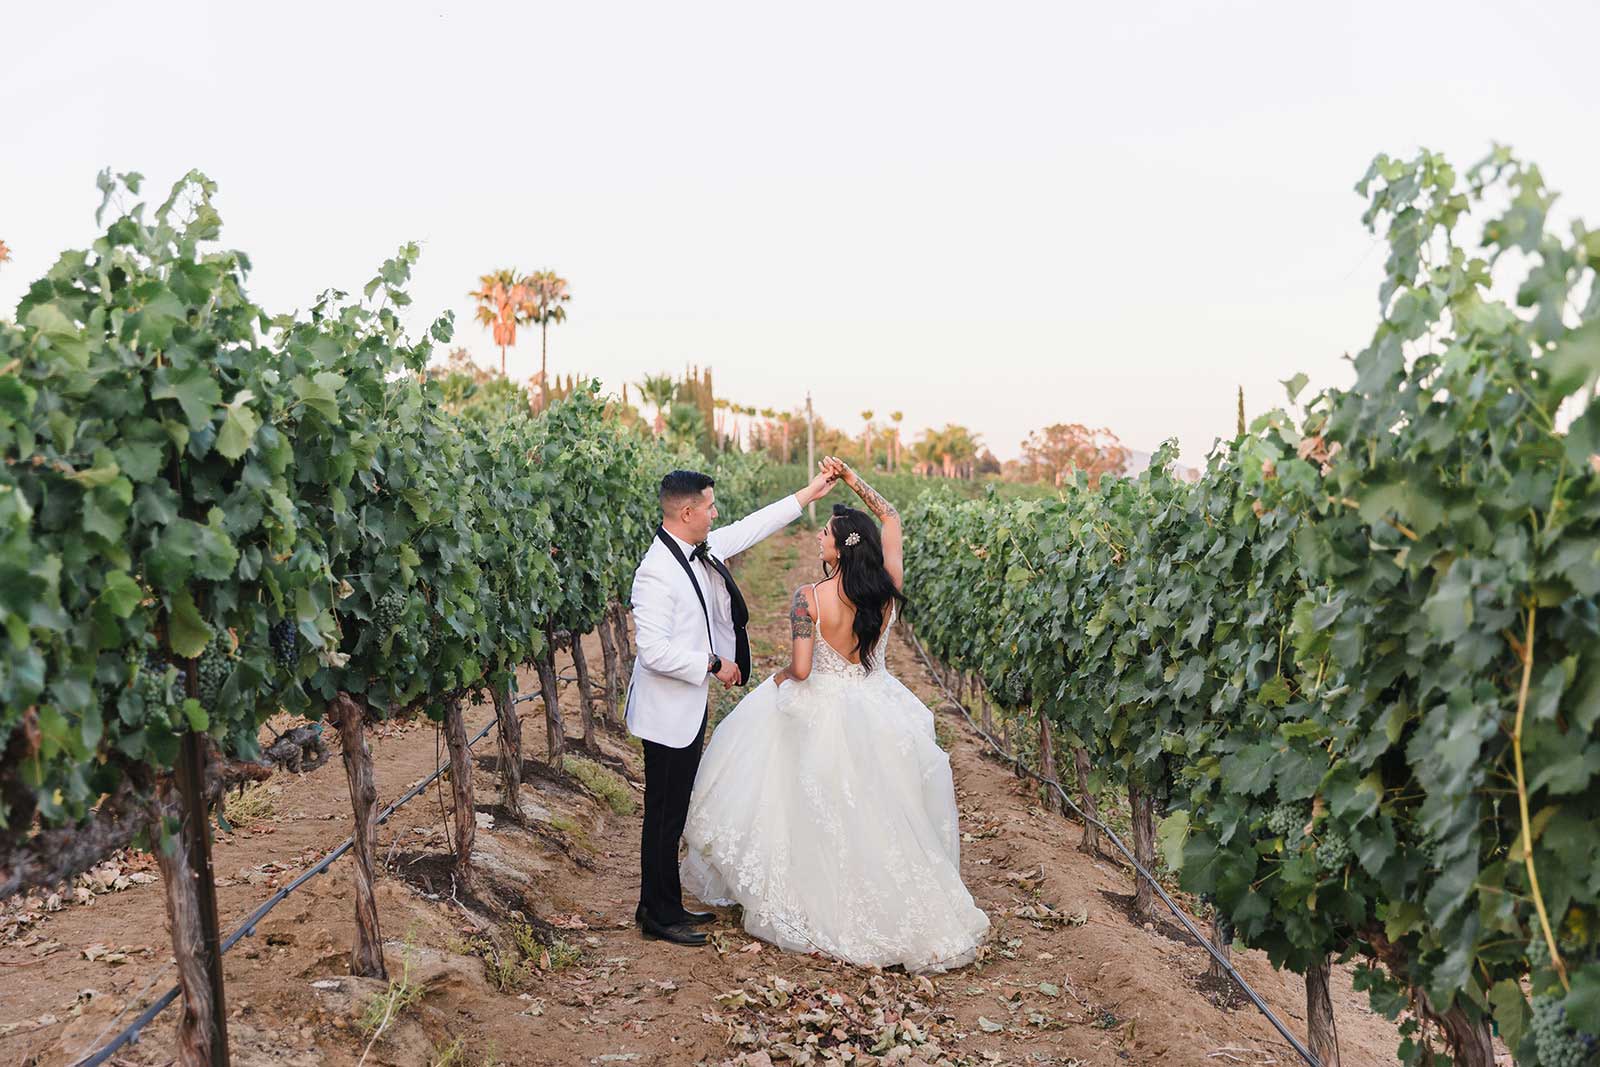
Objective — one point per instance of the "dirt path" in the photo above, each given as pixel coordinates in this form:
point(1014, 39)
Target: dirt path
point(1066, 977)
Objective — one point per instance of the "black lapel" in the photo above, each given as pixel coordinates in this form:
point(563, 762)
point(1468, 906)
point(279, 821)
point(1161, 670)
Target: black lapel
point(677, 554)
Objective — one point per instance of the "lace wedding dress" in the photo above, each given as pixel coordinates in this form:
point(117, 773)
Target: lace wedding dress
point(825, 808)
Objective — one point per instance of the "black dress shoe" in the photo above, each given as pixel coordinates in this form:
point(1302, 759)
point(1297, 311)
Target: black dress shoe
point(678, 934)
point(691, 918)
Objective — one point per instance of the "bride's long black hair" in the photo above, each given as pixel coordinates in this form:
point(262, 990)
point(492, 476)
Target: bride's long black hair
point(865, 582)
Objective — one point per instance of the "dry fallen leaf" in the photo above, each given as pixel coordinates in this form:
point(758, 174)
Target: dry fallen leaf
point(100, 953)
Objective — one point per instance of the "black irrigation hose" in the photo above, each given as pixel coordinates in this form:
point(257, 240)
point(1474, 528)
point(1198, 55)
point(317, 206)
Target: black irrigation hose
point(1188, 924)
point(247, 928)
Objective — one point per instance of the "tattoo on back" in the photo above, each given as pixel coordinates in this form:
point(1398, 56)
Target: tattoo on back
point(801, 624)
point(874, 500)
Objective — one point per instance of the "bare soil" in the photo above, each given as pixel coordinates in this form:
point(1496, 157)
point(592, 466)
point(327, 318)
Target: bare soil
point(539, 962)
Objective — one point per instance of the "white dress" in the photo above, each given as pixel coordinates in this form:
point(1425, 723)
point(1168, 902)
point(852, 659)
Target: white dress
point(826, 809)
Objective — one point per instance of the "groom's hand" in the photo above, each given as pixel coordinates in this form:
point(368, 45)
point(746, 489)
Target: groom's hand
point(729, 674)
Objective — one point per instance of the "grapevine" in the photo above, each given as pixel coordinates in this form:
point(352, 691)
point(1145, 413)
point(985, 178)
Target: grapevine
point(1326, 639)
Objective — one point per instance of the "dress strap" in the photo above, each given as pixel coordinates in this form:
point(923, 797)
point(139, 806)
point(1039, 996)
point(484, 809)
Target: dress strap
point(816, 604)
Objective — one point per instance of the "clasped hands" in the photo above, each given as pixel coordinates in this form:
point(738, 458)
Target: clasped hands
point(729, 674)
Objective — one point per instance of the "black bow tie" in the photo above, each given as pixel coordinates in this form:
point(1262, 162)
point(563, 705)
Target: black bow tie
point(701, 551)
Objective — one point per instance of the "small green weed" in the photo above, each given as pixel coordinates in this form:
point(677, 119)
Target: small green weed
point(382, 1009)
point(603, 783)
point(451, 1055)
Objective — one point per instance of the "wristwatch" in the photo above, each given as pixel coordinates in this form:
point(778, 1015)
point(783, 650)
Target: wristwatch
point(716, 665)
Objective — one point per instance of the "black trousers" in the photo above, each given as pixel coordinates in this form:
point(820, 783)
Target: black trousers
point(668, 783)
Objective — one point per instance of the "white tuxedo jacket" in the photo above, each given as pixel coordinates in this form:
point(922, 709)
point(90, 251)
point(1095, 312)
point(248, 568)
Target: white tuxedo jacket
point(667, 696)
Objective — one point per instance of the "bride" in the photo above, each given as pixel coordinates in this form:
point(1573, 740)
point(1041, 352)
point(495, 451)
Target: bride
point(823, 805)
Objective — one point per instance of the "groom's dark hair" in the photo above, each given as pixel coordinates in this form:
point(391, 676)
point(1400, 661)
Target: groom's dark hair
point(680, 485)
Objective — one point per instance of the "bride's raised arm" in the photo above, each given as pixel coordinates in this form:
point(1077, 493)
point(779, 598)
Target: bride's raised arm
point(893, 539)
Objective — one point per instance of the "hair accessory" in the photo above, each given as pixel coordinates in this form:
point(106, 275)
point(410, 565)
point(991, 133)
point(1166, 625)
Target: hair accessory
point(853, 540)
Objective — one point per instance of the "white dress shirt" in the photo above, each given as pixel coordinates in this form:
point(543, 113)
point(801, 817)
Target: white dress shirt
point(711, 584)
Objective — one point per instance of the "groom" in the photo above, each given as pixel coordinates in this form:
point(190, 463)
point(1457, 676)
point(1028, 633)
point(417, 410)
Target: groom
point(690, 621)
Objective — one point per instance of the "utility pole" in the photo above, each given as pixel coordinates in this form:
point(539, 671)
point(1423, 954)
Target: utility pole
point(811, 452)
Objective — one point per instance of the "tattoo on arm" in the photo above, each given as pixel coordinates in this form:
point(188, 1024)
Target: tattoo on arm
point(874, 500)
point(801, 624)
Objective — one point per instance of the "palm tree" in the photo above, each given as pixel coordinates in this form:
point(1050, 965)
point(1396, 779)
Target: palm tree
point(686, 425)
point(866, 439)
point(961, 447)
point(894, 442)
point(953, 449)
point(547, 292)
point(502, 306)
point(657, 389)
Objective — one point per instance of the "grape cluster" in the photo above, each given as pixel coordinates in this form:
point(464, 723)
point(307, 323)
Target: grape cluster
point(1433, 848)
point(1288, 821)
point(390, 610)
point(1013, 691)
point(212, 669)
point(1538, 952)
point(285, 640)
point(1333, 851)
point(158, 683)
point(1557, 1043)
point(1572, 952)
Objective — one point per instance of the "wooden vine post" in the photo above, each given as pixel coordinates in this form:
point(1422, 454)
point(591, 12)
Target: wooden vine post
point(619, 623)
point(185, 862)
point(1141, 807)
point(580, 664)
point(1222, 941)
point(608, 655)
point(555, 729)
point(1047, 764)
point(1322, 1034)
point(508, 733)
point(1091, 830)
point(466, 816)
point(366, 955)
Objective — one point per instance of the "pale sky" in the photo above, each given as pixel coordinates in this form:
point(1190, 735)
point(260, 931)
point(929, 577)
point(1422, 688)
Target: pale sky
point(999, 214)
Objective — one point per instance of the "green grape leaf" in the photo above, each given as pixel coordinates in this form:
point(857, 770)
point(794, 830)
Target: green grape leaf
point(193, 388)
point(187, 633)
point(239, 426)
point(121, 594)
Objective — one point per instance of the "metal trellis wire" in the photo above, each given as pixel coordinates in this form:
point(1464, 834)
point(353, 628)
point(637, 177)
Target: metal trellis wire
point(247, 927)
